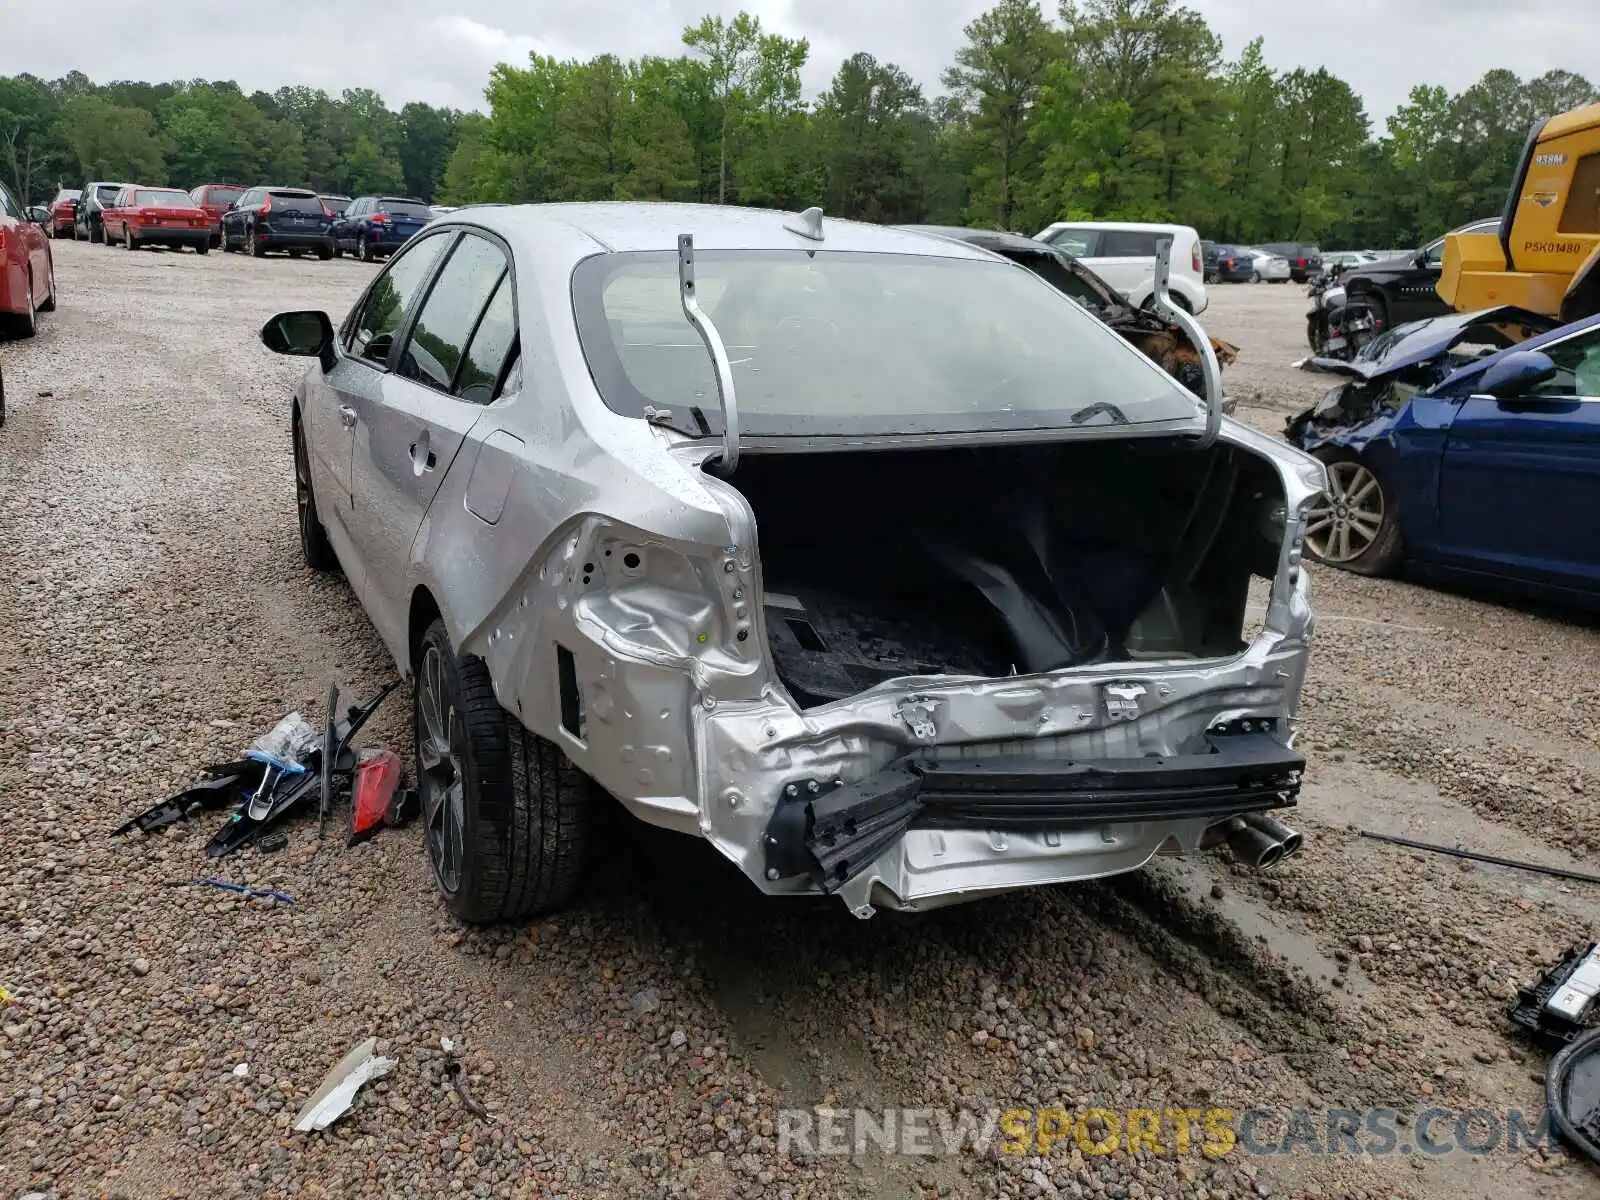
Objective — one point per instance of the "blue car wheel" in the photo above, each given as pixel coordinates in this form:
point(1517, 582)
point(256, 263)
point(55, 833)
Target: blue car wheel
point(1354, 525)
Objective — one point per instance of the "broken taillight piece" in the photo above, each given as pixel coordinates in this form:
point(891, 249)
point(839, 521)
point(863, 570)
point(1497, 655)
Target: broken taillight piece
point(377, 778)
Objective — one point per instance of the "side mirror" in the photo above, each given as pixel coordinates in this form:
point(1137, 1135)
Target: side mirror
point(39, 214)
point(1517, 373)
point(305, 334)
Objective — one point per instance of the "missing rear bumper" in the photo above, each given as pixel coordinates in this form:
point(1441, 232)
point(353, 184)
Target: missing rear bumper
point(832, 832)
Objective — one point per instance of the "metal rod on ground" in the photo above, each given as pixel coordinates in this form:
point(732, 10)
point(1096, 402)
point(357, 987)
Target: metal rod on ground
point(1536, 868)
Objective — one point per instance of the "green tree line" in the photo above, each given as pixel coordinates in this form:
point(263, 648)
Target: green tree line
point(1109, 109)
point(69, 130)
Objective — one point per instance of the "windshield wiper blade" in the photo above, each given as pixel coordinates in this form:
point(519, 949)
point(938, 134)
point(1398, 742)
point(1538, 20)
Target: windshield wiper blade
point(1103, 408)
point(668, 419)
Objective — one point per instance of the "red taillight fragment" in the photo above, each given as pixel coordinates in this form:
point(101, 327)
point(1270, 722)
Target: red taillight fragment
point(380, 218)
point(265, 208)
point(1194, 256)
point(377, 777)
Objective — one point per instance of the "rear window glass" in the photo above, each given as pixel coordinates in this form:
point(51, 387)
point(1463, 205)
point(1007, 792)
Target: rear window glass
point(404, 208)
point(106, 193)
point(223, 195)
point(163, 199)
point(66, 194)
point(861, 343)
point(300, 200)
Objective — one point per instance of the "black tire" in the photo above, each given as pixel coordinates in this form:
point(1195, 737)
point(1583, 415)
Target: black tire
point(48, 304)
point(525, 812)
point(1315, 338)
point(26, 324)
point(202, 248)
point(252, 246)
point(128, 242)
point(315, 548)
point(324, 254)
point(363, 250)
point(1381, 554)
point(338, 250)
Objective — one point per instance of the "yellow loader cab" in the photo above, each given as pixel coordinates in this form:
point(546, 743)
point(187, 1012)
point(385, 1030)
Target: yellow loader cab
point(1545, 254)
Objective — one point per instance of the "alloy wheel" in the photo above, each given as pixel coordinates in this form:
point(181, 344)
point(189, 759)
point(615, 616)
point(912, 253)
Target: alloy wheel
point(440, 735)
point(302, 484)
point(1348, 517)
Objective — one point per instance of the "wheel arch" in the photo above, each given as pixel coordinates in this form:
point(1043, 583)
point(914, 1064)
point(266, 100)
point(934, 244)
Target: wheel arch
point(424, 610)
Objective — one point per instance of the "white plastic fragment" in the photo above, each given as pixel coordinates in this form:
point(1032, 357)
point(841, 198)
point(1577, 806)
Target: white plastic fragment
point(242, 1070)
point(330, 1101)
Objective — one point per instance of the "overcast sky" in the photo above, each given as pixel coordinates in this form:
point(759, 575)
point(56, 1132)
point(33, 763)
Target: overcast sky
point(413, 50)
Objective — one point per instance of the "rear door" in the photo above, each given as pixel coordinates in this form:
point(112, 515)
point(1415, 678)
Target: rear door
point(296, 212)
point(410, 432)
point(405, 217)
point(1520, 485)
point(354, 386)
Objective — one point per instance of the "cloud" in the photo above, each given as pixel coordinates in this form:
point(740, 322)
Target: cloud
point(409, 50)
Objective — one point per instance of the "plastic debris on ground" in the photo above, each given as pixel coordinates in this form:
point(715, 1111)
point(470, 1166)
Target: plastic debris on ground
point(455, 1079)
point(338, 1091)
point(1561, 1007)
point(281, 771)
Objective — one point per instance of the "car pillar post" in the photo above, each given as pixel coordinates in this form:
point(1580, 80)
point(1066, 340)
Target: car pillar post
point(1210, 369)
point(723, 368)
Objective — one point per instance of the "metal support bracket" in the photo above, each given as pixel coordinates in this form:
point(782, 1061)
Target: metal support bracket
point(1210, 369)
point(721, 365)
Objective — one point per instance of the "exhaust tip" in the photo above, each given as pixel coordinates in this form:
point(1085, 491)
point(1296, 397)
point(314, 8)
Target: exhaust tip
point(1290, 839)
point(1253, 847)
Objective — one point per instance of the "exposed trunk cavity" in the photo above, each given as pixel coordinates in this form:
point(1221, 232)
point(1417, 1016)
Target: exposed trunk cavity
point(1005, 560)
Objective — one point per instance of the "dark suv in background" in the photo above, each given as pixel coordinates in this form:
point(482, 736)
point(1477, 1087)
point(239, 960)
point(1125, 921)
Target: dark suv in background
point(376, 226)
point(278, 218)
point(89, 222)
point(1305, 259)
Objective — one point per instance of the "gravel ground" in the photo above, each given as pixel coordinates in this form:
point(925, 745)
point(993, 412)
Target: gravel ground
point(642, 1044)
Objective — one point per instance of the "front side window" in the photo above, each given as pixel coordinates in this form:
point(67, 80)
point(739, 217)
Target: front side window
point(859, 343)
point(451, 311)
point(1080, 243)
point(8, 203)
point(1577, 368)
point(393, 297)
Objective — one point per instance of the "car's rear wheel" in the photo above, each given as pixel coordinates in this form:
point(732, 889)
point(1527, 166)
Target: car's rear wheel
point(338, 250)
point(1355, 525)
point(363, 250)
point(506, 814)
point(315, 547)
point(26, 323)
point(252, 246)
point(48, 304)
point(324, 254)
point(128, 242)
point(202, 247)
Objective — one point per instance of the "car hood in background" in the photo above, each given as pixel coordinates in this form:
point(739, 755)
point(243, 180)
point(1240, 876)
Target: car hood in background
point(1418, 341)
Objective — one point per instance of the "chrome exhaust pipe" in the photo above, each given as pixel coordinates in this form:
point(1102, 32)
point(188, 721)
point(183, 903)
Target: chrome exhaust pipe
point(1290, 839)
point(1251, 846)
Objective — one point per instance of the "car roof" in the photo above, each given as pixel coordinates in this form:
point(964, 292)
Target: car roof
point(631, 226)
point(1127, 226)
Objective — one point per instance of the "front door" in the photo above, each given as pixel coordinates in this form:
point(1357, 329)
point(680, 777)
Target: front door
point(1520, 485)
point(406, 440)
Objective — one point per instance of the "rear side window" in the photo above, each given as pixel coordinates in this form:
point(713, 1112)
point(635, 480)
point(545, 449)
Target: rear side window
point(486, 355)
point(1080, 243)
point(1127, 243)
point(450, 314)
point(392, 299)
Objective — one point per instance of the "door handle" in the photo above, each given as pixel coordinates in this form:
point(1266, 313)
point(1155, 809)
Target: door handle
point(347, 416)
point(423, 464)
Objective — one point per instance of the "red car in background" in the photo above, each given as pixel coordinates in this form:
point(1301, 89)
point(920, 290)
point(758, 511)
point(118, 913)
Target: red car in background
point(64, 212)
point(27, 269)
point(152, 216)
point(216, 199)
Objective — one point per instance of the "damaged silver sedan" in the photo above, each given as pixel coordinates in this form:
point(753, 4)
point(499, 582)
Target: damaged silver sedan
point(865, 555)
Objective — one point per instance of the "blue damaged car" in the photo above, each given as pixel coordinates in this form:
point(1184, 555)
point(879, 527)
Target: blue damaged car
point(1466, 446)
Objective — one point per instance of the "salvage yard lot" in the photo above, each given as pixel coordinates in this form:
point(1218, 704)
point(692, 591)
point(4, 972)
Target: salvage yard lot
point(643, 1042)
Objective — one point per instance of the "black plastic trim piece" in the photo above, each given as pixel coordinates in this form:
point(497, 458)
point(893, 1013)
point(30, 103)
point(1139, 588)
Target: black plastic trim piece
point(1508, 215)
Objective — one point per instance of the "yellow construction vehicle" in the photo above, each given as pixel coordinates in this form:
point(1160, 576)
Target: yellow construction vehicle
point(1546, 254)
